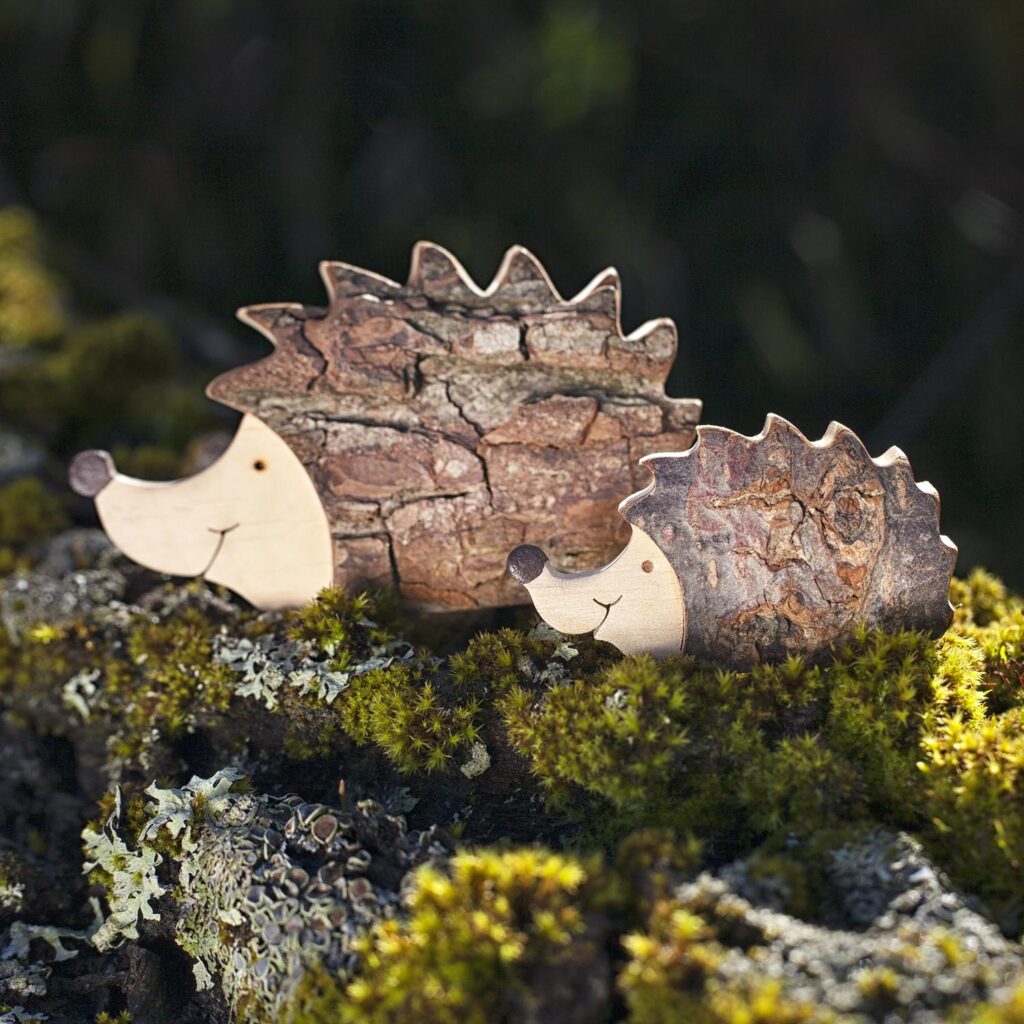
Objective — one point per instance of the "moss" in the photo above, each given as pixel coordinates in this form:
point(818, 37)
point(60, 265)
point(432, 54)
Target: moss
point(46, 657)
point(1009, 1012)
point(782, 747)
point(672, 974)
point(493, 663)
point(31, 311)
point(178, 674)
point(404, 714)
point(616, 736)
point(994, 619)
point(472, 935)
point(318, 999)
point(974, 778)
point(124, 1017)
point(29, 512)
point(649, 864)
point(343, 626)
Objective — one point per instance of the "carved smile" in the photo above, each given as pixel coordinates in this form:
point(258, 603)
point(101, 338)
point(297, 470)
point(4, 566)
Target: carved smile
point(607, 608)
point(220, 543)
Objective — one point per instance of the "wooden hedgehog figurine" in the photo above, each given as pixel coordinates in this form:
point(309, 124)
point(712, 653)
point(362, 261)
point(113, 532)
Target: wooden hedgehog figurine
point(750, 549)
point(410, 435)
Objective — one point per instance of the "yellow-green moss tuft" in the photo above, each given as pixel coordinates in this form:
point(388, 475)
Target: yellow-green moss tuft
point(472, 935)
point(404, 714)
point(616, 736)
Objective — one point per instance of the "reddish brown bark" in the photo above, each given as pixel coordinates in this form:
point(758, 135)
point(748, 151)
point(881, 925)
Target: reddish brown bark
point(444, 425)
point(782, 546)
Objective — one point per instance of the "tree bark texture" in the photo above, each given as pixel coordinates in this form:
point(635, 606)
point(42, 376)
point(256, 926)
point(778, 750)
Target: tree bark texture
point(783, 545)
point(443, 425)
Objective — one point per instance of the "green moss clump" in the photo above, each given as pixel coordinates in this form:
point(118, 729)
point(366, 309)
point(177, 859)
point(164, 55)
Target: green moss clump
point(1009, 1012)
point(616, 736)
point(782, 747)
point(404, 714)
point(495, 660)
point(172, 671)
point(994, 619)
point(471, 938)
point(649, 864)
point(330, 623)
point(79, 383)
point(974, 781)
point(31, 312)
point(29, 512)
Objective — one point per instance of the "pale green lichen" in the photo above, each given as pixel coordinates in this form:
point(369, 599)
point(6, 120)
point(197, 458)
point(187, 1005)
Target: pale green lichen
point(21, 935)
point(130, 877)
point(177, 811)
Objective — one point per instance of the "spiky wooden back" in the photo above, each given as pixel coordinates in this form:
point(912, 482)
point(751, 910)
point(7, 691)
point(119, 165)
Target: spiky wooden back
point(443, 423)
point(782, 545)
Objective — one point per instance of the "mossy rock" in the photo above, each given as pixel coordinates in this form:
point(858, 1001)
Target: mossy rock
point(624, 839)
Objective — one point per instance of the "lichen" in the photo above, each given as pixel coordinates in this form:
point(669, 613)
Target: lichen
point(473, 936)
point(706, 953)
point(750, 801)
point(259, 888)
point(129, 877)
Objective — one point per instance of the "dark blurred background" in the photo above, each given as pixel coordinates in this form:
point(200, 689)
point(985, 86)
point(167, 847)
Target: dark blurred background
point(826, 197)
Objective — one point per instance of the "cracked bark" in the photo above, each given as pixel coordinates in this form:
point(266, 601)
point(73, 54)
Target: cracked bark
point(782, 546)
point(443, 426)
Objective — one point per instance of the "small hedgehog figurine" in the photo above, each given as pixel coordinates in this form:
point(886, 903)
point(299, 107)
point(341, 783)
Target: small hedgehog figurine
point(751, 549)
point(410, 435)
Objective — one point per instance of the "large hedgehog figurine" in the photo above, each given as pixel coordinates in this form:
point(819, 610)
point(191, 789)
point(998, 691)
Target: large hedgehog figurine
point(410, 435)
point(751, 549)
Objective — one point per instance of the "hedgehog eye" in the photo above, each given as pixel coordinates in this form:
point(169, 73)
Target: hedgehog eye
point(647, 566)
point(259, 465)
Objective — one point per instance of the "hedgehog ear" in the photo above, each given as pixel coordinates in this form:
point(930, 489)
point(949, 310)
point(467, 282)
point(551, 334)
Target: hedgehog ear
point(344, 281)
point(439, 275)
point(266, 317)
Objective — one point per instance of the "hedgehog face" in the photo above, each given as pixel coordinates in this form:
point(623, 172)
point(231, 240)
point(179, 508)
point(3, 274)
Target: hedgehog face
point(634, 602)
point(251, 521)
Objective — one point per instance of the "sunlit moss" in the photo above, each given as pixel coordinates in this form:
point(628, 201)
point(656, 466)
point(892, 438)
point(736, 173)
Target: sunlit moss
point(617, 735)
point(330, 622)
point(974, 780)
point(465, 949)
point(672, 974)
point(404, 714)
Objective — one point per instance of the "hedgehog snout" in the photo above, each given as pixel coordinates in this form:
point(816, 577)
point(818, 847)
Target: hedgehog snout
point(90, 472)
point(526, 563)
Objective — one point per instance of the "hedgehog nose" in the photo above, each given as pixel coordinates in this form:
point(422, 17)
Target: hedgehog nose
point(90, 472)
point(526, 563)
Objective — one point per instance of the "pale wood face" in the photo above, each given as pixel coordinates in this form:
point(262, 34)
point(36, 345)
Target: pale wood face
point(252, 521)
point(635, 602)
